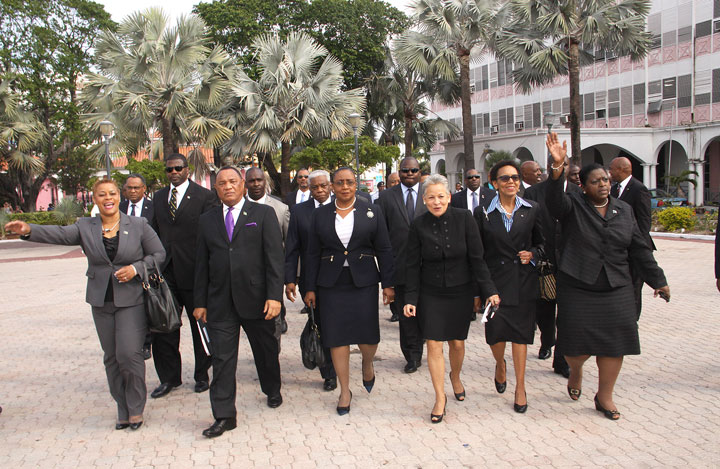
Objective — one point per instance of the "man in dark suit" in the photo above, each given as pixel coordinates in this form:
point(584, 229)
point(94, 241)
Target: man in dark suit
point(137, 205)
point(400, 205)
point(633, 192)
point(474, 193)
point(296, 247)
point(177, 210)
point(546, 309)
point(302, 193)
point(239, 283)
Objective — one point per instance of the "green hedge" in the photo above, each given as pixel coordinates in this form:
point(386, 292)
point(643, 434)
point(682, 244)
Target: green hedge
point(36, 218)
point(676, 218)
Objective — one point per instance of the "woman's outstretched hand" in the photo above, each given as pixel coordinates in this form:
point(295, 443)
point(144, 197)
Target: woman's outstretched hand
point(17, 227)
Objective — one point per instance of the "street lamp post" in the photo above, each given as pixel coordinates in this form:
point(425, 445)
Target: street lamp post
point(106, 129)
point(549, 119)
point(355, 119)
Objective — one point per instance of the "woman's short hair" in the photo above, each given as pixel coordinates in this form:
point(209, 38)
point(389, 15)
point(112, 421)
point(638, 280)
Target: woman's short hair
point(342, 168)
point(501, 164)
point(437, 179)
point(102, 181)
point(587, 169)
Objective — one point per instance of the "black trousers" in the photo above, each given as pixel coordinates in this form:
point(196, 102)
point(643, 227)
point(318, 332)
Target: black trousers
point(328, 370)
point(166, 347)
point(224, 337)
point(411, 341)
point(545, 318)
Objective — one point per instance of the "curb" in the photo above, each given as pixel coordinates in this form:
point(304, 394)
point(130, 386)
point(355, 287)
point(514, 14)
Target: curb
point(660, 234)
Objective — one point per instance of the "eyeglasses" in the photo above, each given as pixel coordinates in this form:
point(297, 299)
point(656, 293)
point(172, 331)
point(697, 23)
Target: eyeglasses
point(177, 169)
point(345, 182)
point(409, 170)
point(474, 176)
point(505, 178)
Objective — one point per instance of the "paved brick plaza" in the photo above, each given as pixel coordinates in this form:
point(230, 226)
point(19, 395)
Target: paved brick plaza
point(57, 411)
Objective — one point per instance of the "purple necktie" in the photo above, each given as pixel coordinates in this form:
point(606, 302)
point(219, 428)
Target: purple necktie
point(229, 223)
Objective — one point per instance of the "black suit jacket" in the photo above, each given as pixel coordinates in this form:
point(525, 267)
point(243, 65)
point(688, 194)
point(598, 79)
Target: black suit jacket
point(446, 251)
point(296, 243)
point(147, 211)
point(290, 198)
point(179, 236)
point(236, 277)
point(326, 254)
point(514, 281)
point(592, 242)
point(398, 225)
point(717, 254)
point(551, 227)
point(459, 199)
point(638, 197)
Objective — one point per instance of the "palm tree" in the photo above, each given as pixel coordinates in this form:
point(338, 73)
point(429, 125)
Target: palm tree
point(682, 178)
point(297, 96)
point(543, 38)
point(448, 35)
point(157, 77)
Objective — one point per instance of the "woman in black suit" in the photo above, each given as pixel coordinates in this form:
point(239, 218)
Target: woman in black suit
point(512, 236)
point(595, 293)
point(446, 275)
point(342, 278)
point(118, 248)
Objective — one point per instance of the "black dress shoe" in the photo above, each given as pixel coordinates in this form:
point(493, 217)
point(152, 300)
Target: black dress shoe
point(611, 414)
point(274, 401)
point(163, 390)
point(147, 354)
point(330, 384)
point(544, 353)
point(121, 426)
point(201, 386)
point(394, 318)
point(411, 367)
point(136, 425)
point(219, 427)
point(563, 371)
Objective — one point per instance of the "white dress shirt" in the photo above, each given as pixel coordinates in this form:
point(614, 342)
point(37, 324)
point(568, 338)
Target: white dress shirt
point(237, 208)
point(327, 201)
point(138, 207)
point(262, 200)
point(470, 198)
point(181, 189)
point(415, 189)
point(623, 185)
point(344, 229)
point(301, 196)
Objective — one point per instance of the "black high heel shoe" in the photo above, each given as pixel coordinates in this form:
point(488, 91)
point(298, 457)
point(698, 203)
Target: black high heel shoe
point(344, 410)
point(439, 418)
point(500, 387)
point(521, 409)
point(121, 425)
point(370, 383)
point(611, 414)
point(460, 396)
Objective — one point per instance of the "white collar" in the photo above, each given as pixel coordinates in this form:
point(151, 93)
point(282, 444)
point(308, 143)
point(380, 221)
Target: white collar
point(327, 201)
point(414, 188)
point(182, 187)
point(262, 200)
point(238, 206)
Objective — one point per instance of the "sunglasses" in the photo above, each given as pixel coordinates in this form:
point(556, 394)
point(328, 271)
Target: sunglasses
point(409, 170)
point(505, 178)
point(474, 176)
point(177, 169)
point(302, 177)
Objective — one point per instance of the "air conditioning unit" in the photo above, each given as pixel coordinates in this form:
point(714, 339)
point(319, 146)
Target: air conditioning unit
point(564, 119)
point(600, 113)
point(494, 129)
point(519, 125)
point(654, 107)
point(472, 87)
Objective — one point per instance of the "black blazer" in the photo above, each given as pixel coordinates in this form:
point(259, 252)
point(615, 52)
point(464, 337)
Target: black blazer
point(459, 199)
point(290, 198)
point(550, 225)
point(398, 224)
point(236, 277)
point(592, 242)
point(514, 281)
point(179, 236)
point(446, 251)
point(147, 211)
point(296, 243)
point(326, 254)
point(638, 197)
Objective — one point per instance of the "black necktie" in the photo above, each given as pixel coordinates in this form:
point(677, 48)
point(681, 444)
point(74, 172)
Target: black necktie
point(616, 191)
point(410, 204)
point(132, 210)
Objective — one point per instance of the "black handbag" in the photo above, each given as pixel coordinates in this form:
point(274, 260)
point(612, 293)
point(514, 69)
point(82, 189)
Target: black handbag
point(310, 343)
point(160, 307)
point(546, 273)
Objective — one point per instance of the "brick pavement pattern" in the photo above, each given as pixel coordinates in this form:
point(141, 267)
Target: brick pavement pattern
point(58, 411)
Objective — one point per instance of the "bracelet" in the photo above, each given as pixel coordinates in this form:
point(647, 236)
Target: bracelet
point(555, 169)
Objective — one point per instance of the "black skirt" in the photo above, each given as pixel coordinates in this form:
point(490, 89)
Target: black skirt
point(596, 319)
point(348, 314)
point(445, 313)
point(514, 324)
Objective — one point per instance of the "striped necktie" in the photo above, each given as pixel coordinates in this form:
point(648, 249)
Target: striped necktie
point(132, 210)
point(173, 203)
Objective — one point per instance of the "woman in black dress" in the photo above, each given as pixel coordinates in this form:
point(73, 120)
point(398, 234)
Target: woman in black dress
point(595, 296)
point(342, 278)
point(512, 236)
point(446, 275)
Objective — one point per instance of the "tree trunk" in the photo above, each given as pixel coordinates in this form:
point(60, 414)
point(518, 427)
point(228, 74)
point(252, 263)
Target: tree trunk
point(169, 146)
point(284, 168)
point(267, 162)
point(408, 137)
point(575, 104)
point(464, 56)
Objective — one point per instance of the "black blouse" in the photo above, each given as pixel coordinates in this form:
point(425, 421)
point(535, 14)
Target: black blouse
point(111, 248)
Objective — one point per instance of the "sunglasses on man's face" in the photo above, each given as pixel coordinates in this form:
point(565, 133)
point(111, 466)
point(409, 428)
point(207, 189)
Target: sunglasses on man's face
point(409, 170)
point(474, 176)
point(177, 169)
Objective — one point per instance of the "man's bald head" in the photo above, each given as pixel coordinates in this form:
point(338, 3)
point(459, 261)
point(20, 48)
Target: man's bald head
point(530, 172)
point(620, 169)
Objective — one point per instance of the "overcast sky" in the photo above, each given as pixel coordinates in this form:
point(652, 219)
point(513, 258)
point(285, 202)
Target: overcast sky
point(119, 9)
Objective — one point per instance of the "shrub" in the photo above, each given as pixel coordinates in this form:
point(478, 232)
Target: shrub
point(676, 218)
point(4, 218)
point(37, 218)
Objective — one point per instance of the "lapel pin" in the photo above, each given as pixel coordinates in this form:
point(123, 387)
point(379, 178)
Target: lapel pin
point(125, 232)
point(370, 214)
point(614, 211)
point(245, 213)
